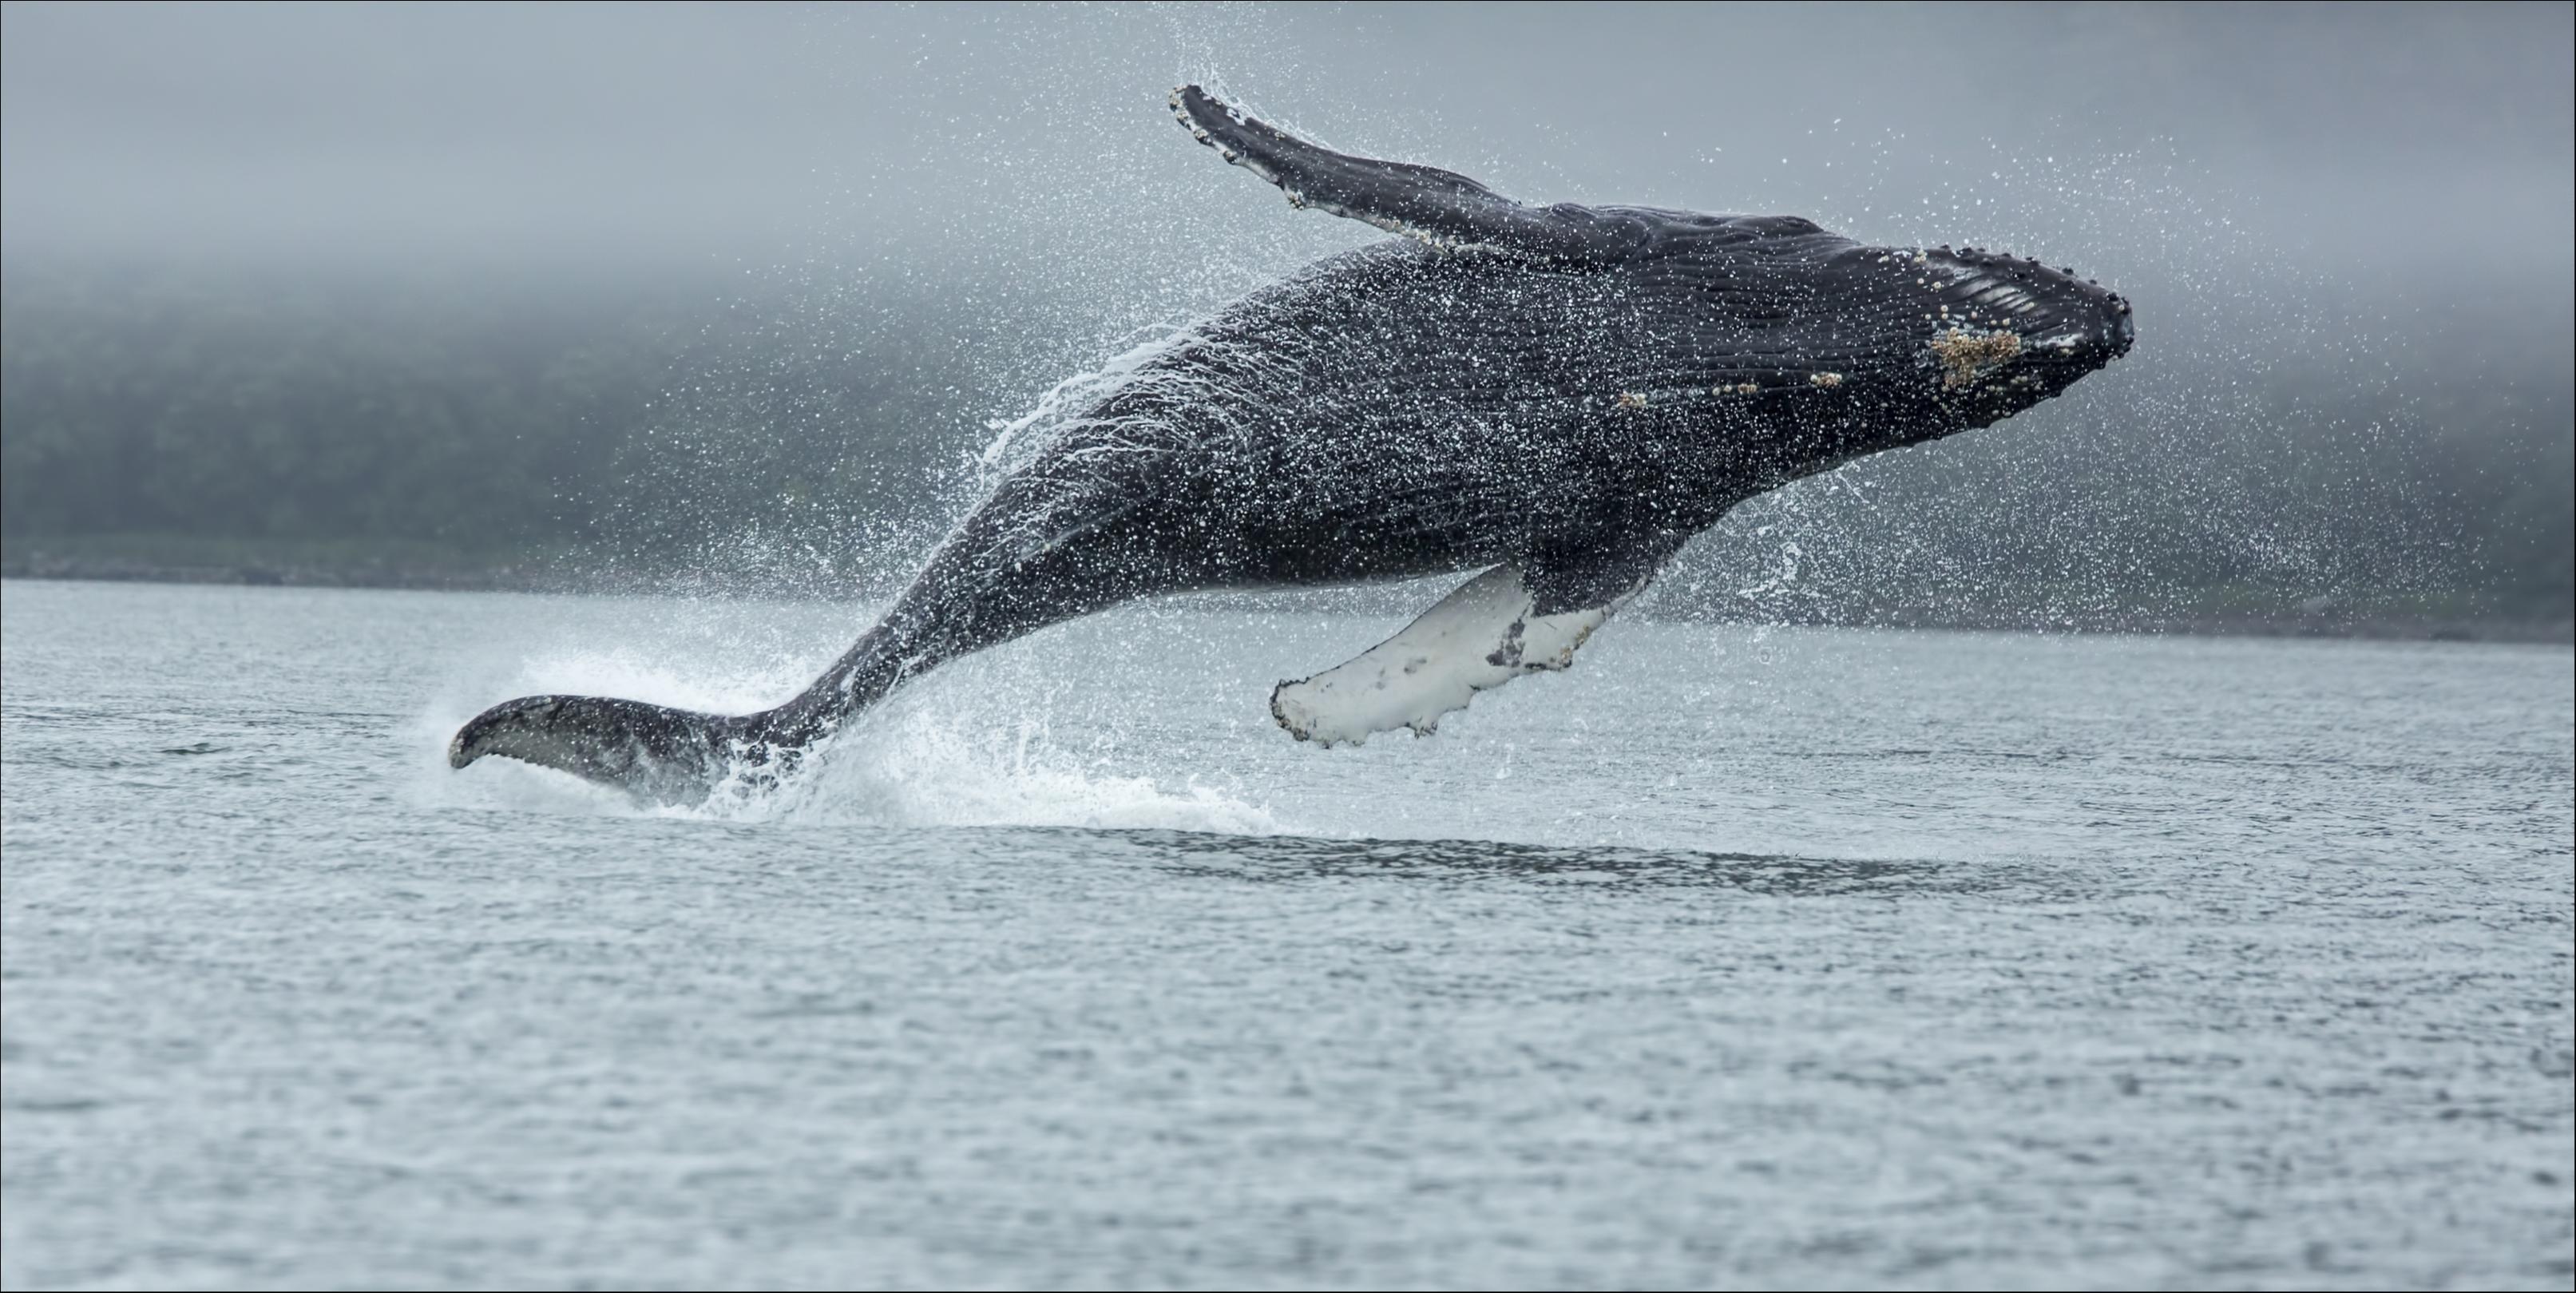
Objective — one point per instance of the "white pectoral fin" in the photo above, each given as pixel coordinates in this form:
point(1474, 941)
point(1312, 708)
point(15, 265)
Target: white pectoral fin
point(1479, 637)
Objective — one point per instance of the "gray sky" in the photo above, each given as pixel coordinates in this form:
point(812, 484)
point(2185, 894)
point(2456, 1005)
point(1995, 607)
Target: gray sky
point(520, 137)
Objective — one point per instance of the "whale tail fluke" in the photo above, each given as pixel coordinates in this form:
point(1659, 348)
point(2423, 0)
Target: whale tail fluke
point(652, 751)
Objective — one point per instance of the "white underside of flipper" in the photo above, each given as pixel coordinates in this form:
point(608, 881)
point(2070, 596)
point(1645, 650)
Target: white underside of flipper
point(1477, 638)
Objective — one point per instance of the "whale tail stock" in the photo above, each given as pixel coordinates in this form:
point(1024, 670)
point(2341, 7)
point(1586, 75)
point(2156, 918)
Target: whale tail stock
point(962, 602)
point(656, 751)
point(676, 756)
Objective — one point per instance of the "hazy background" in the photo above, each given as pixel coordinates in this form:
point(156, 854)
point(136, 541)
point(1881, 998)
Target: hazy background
point(729, 295)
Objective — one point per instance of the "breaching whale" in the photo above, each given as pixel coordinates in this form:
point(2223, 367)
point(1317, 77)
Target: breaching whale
point(1555, 396)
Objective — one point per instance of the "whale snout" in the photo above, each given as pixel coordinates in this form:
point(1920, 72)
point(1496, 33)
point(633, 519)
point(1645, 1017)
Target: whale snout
point(2087, 333)
point(2058, 317)
point(2006, 332)
point(2099, 318)
point(2099, 329)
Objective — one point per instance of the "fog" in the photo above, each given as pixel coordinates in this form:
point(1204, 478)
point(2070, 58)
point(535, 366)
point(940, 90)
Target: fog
point(2302, 201)
point(2436, 136)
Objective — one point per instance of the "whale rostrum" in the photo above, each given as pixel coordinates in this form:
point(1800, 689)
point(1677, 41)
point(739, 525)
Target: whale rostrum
point(1555, 397)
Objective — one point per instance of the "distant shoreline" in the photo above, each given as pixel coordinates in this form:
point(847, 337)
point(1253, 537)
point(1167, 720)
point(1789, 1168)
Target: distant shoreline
point(2359, 623)
point(391, 575)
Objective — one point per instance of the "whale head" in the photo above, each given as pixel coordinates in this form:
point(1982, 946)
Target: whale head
point(1999, 334)
point(1832, 348)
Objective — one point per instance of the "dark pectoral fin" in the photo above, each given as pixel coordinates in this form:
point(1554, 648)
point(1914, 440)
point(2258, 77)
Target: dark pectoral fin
point(1424, 202)
point(1575, 576)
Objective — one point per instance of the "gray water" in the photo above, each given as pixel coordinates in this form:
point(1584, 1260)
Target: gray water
point(1731, 956)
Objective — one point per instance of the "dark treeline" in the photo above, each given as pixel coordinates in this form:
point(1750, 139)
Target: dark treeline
point(779, 435)
point(432, 426)
point(143, 405)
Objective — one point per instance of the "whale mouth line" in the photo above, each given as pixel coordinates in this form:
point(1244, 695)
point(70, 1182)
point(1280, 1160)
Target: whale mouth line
point(1994, 294)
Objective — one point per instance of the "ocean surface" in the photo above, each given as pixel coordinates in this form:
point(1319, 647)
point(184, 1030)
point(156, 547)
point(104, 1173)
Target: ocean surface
point(1732, 956)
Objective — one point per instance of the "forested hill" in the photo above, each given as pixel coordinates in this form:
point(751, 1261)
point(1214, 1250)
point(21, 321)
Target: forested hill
point(774, 433)
point(429, 428)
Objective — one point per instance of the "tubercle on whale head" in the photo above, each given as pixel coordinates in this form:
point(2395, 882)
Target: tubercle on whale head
point(2055, 316)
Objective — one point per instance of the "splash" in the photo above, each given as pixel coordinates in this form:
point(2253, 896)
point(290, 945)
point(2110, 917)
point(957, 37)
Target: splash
point(1016, 441)
point(956, 765)
point(1002, 740)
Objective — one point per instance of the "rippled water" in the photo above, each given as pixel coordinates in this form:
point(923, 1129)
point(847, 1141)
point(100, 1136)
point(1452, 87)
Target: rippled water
point(1731, 956)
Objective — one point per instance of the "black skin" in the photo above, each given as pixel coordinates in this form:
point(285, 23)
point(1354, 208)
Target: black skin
point(1574, 389)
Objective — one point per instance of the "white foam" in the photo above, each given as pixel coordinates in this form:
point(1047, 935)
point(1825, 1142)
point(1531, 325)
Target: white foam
point(946, 765)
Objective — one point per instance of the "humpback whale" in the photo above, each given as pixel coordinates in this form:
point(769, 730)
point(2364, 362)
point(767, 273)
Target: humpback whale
point(1554, 397)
